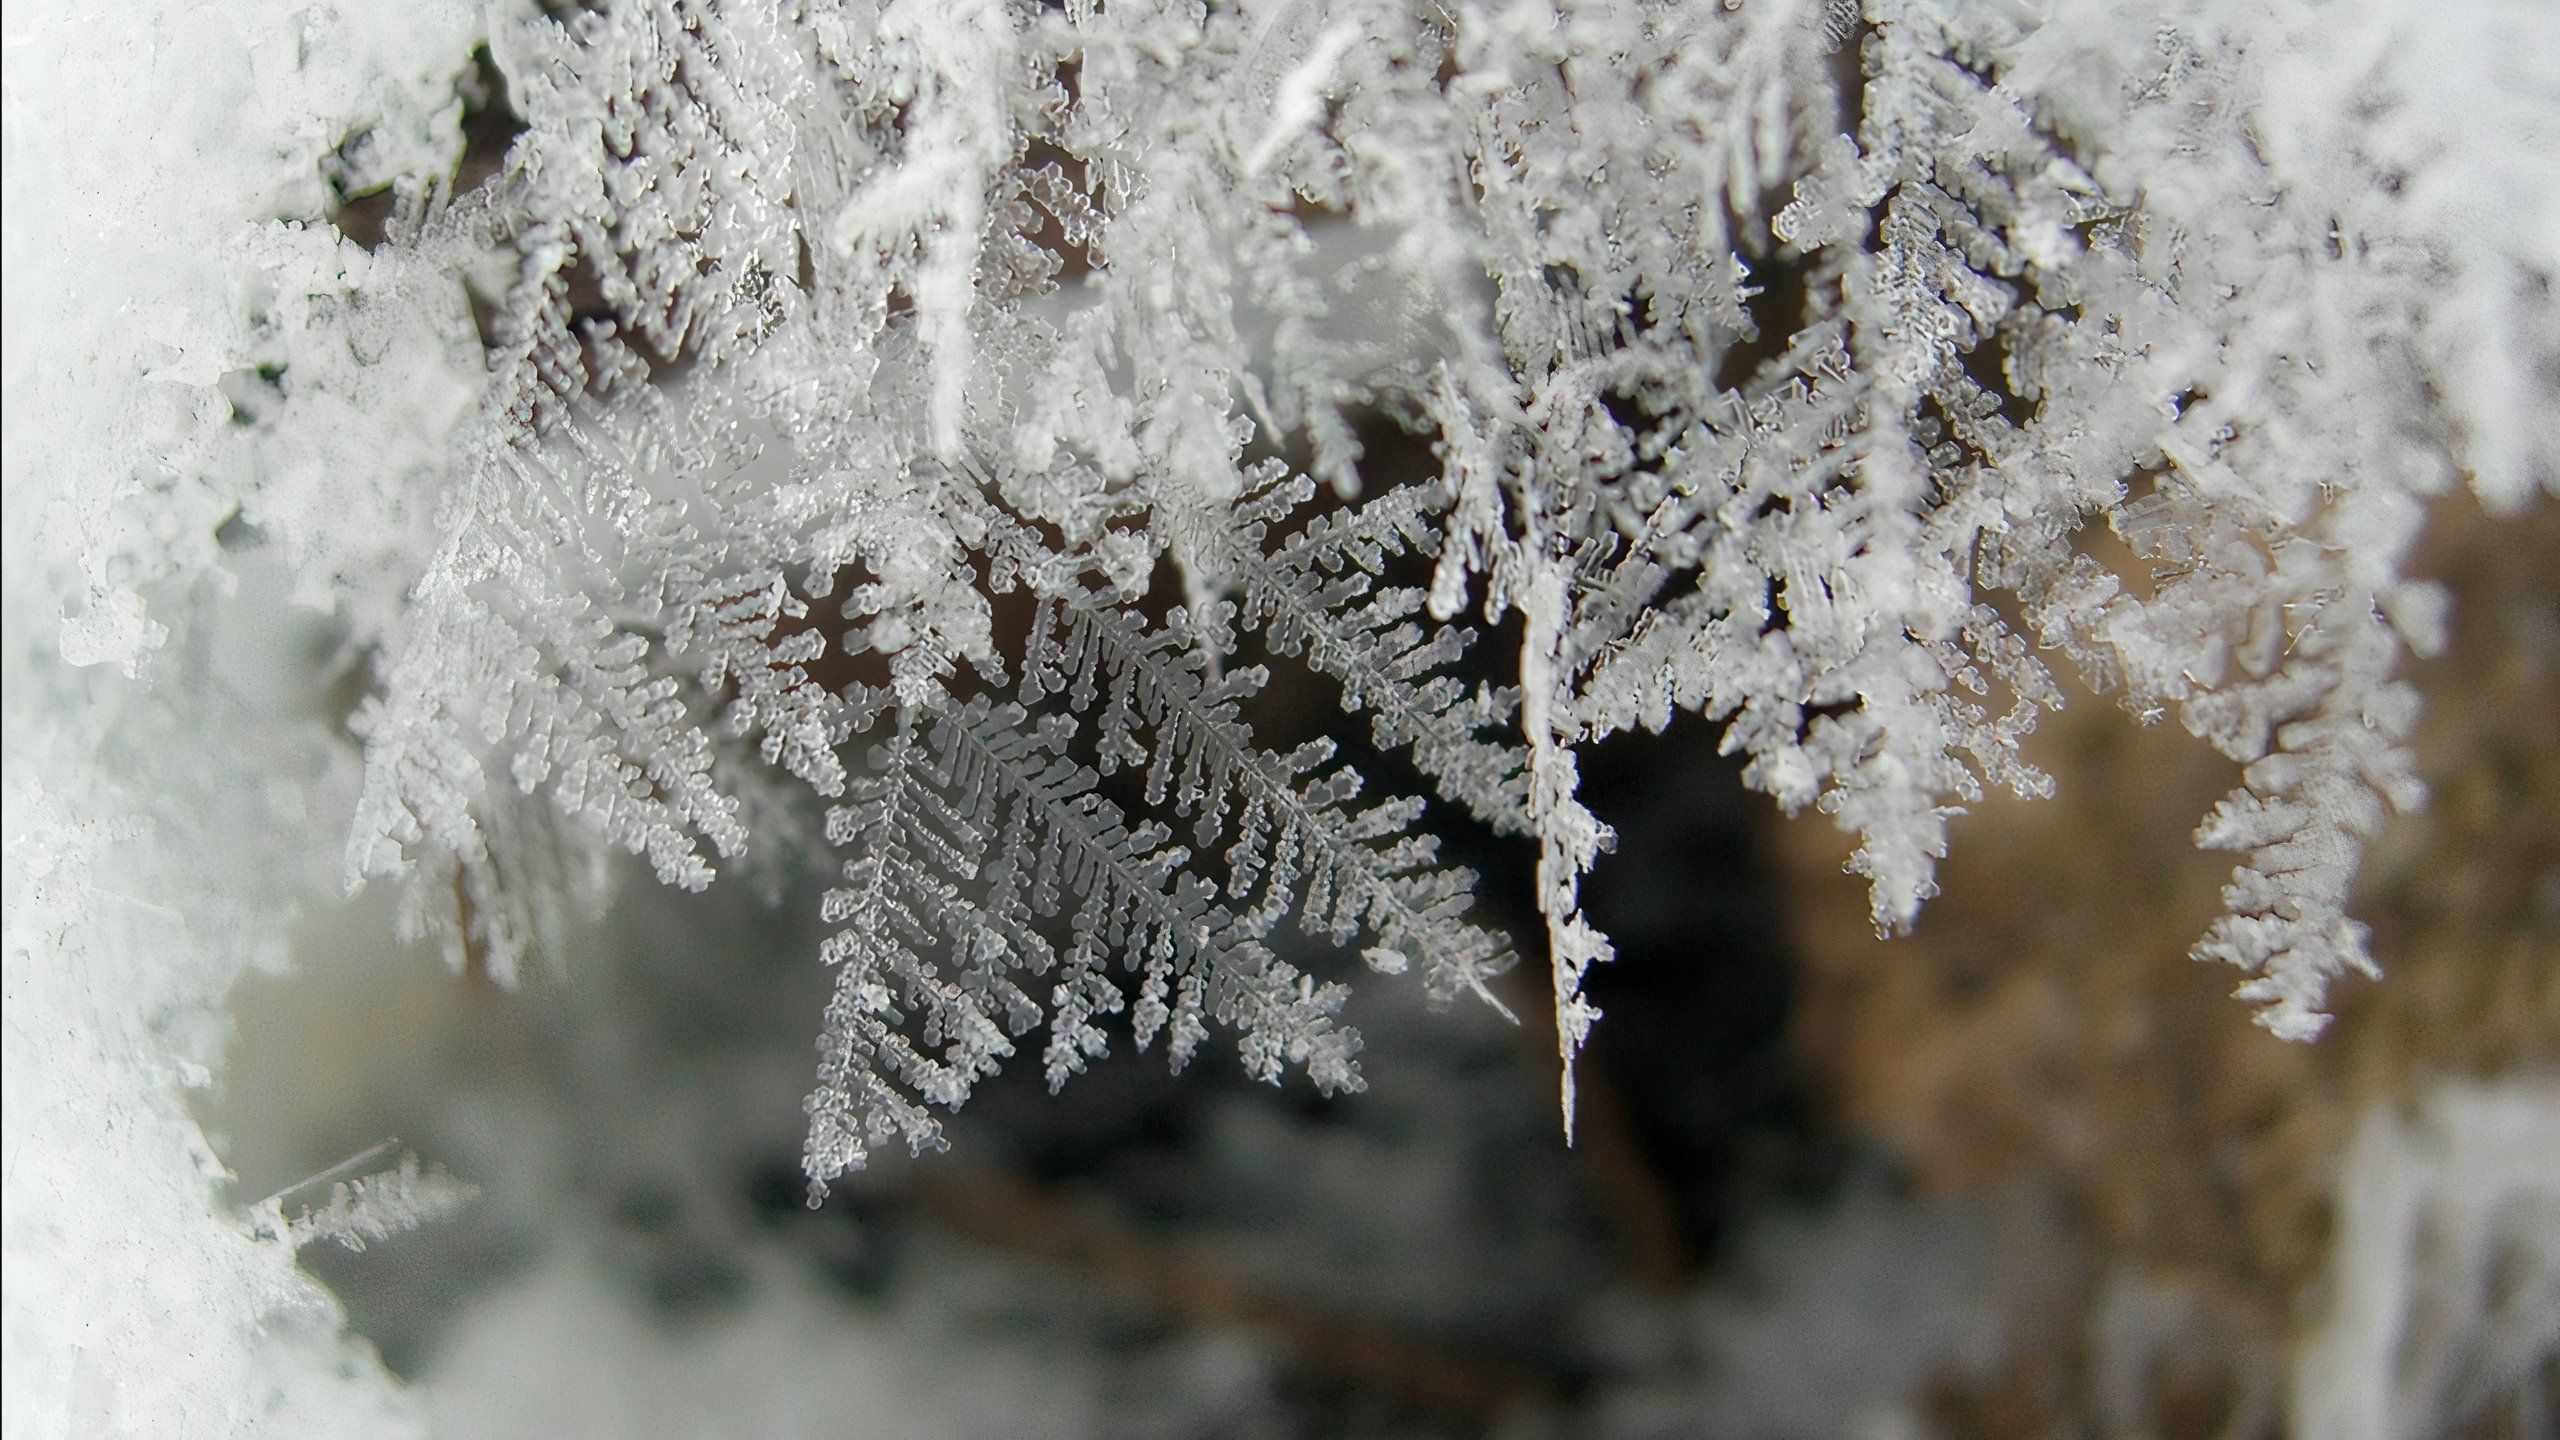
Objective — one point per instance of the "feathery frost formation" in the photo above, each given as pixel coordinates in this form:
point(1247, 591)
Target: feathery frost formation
point(952, 408)
point(368, 1209)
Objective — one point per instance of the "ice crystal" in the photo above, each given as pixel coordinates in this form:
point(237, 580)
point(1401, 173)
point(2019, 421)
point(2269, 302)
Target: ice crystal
point(953, 410)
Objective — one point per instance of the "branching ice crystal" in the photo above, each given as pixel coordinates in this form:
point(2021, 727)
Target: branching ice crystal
point(953, 408)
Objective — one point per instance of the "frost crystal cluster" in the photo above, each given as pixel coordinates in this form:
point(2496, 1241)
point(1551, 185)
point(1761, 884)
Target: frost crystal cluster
point(954, 410)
